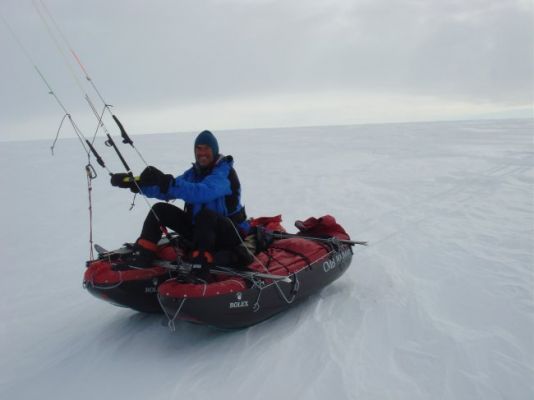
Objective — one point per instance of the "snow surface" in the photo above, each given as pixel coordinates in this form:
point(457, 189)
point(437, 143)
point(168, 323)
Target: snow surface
point(439, 306)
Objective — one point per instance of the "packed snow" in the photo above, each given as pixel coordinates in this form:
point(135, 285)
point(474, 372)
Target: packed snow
point(440, 305)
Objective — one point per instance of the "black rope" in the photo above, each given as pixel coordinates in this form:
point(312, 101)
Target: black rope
point(133, 202)
point(99, 124)
point(57, 133)
point(273, 258)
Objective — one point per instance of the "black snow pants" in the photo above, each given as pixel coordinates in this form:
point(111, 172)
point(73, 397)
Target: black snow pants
point(211, 232)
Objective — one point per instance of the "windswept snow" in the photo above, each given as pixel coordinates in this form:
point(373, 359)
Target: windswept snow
point(439, 306)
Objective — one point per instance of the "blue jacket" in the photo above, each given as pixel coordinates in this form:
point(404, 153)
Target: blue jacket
point(211, 190)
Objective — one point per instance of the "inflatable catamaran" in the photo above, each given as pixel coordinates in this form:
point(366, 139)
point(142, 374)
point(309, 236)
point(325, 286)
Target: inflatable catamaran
point(291, 268)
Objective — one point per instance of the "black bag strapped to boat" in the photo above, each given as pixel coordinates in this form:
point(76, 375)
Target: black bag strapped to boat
point(259, 239)
point(264, 239)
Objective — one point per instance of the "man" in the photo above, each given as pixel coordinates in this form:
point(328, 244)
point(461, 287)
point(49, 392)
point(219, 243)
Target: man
point(213, 217)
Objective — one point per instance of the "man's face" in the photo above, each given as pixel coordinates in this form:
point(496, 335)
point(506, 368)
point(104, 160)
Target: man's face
point(203, 155)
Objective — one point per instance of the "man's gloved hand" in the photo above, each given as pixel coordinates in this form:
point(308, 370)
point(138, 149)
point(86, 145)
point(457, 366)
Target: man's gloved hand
point(150, 176)
point(121, 180)
point(153, 176)
point(125, 181)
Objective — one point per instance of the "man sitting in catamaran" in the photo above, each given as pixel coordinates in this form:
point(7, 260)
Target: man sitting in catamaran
point(213, 219)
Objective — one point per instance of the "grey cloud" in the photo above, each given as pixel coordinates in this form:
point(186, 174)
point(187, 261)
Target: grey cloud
point(150, 53)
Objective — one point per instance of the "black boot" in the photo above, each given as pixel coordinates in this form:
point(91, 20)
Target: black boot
point(204, 260)
point(237, 257)
point(140, 257)
point(244, 255)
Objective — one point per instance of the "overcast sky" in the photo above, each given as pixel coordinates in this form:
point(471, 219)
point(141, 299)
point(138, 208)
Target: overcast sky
point(188, 65)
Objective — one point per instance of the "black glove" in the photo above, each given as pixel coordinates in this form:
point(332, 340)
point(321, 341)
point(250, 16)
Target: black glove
point(150, 176)
point(121, 180)
point(153, 176)
point(134, 188)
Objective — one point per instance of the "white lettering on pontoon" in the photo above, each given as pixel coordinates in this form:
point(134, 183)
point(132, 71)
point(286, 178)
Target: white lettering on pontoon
point(239, 304)
point(330, 264)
